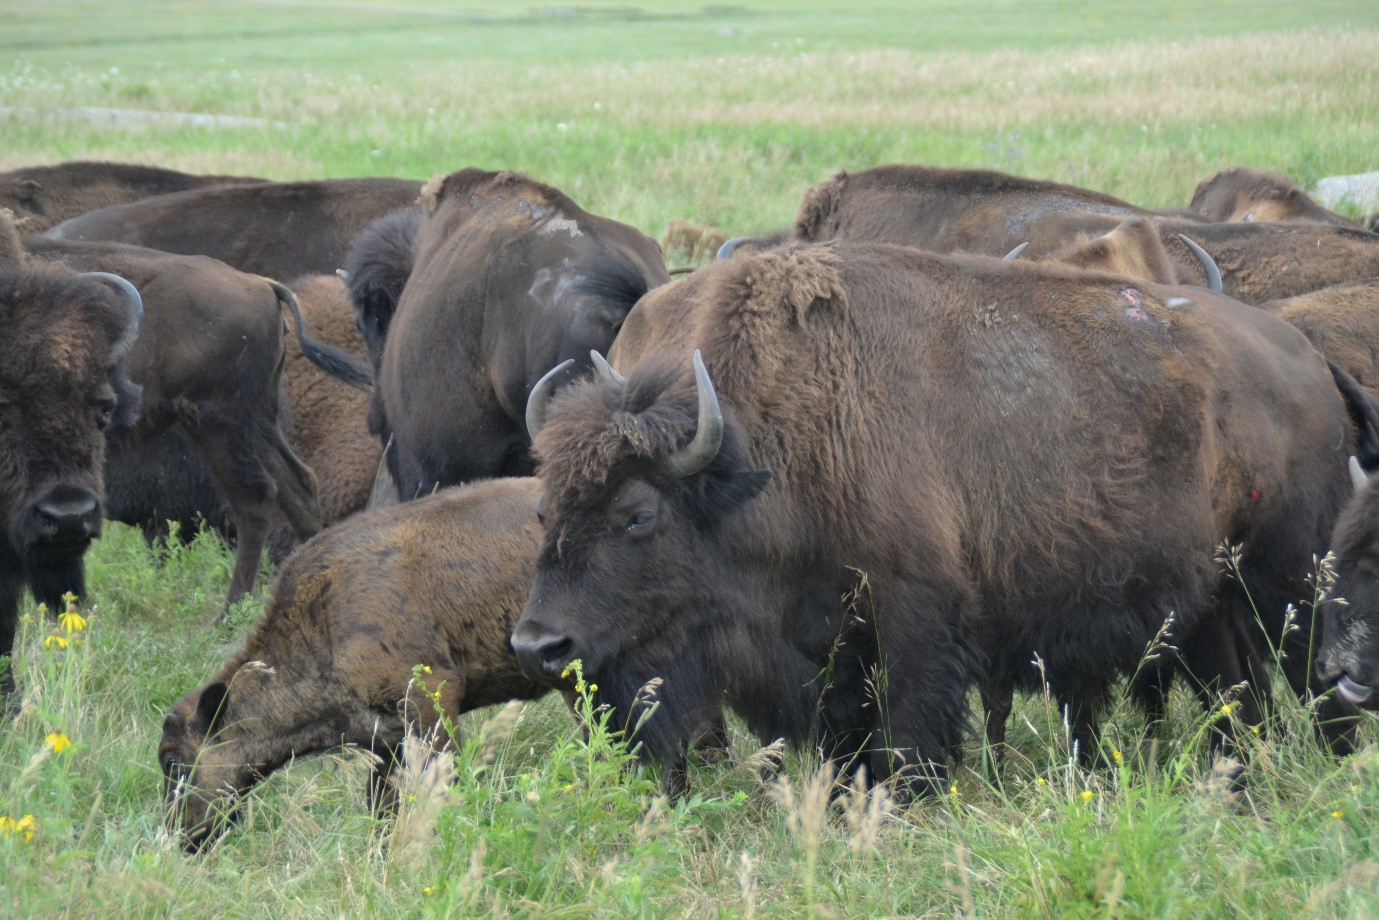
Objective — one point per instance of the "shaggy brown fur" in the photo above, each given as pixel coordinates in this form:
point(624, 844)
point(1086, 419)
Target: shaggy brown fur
point(510, 278)
point(1341, 322)
point(277, 229)
point(1133, 249)
point(947, 210)
point(58, 392)
point(1245, 195)
point(436, 582)
point(1016, 459)
point(44, 196)
point(210, 358)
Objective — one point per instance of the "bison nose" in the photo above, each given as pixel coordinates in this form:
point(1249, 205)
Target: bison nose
point(68, 515)
point(541, 654)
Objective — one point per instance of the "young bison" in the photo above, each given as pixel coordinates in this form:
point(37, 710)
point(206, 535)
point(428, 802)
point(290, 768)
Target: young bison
point(436, 582)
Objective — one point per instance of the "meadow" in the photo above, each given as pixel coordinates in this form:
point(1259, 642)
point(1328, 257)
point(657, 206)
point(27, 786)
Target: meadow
point(651, 112)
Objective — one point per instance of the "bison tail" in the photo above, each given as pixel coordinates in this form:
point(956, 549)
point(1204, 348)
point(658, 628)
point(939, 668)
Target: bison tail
point(1364, 415)
point(328, 358)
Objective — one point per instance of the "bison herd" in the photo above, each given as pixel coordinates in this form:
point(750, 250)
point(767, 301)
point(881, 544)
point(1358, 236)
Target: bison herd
point(951, 429)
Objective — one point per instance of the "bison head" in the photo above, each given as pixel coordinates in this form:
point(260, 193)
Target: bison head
point(62, 384)
point(640, 478)
point(1349, 652)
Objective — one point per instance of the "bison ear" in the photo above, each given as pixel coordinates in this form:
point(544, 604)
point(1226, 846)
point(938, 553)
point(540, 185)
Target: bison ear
point(727, 496)
point(211, 706)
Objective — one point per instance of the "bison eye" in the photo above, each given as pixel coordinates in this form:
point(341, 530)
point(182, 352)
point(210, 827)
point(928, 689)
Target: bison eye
point(642, 523)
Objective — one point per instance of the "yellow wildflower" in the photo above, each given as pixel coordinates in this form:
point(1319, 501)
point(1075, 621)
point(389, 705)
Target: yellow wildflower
point(1086, 795)
point(1040, 781)
point(428, 891)
point(1118, 757)
point(58, 742)
point(69, 599)
point(953, 790)
point(72, 622)
point(24, 827)
point(1338, 814)
point(593, 688)
point(1229, 708)
point(56, 640)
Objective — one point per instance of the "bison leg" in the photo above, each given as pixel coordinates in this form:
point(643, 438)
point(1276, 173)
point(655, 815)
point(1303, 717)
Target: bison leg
point(297, 489)
point(1084, 730)
point(11, 586)
point(997, 703)
point(1218, 656)
point(714, 744)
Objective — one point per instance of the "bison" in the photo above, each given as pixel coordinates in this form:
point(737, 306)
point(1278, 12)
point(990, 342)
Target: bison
point(44, 196)
point(895, 473)
point(1244, 194)
point(510, 277)
point(376, 271)
point(331, 662)
point(277, 229)
point(210, 360)
point(62, 386)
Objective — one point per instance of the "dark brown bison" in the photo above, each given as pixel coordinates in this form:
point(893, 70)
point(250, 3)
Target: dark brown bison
point(510, 278)
point(44, 196)
point(951, 211)
point(62, 385)
point(210, 360)
point(892, 466)
point(277, 229)
point(1245, 195)
point(1341, 322)
point(376, 271)
point(331, 662)
point(1348, 654)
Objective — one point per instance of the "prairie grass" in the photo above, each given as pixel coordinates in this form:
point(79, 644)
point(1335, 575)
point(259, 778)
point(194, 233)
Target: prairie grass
point(724, 116)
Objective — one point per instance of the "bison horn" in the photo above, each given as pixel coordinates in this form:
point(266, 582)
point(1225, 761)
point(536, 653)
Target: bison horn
point(342, 275)
point(708, 435)
point(1208, 263)
point(1015, 253)
point(1358, 477)
point(606, 372)
point(121, 349)
point(725, 251)
point(541, 395)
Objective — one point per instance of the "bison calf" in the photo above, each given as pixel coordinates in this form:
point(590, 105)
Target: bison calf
point(436, 582)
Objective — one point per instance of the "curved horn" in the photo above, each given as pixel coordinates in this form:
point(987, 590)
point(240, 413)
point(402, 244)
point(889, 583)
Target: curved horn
point(726, 250)
point(708, 435)
point(342, 275)
point(1208, 263)
point(1015, 253)
point(1357, 475)
point(541, 395)
point(122, 347)
point(605, 370)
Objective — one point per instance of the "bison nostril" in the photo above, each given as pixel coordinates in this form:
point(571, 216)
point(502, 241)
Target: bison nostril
point(541, 655)
point(70, 515)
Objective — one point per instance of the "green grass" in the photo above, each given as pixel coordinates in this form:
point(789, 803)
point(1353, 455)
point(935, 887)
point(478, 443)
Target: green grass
point(726, 117)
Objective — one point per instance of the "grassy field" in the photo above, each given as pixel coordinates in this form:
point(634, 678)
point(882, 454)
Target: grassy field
point(724, 114)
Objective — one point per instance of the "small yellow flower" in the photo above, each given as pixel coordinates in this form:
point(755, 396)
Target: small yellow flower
point(593, 688)
point(1254, 729)
point(1229, 708)
point(58, 742)
point(566, 673)
point(56, 640)
point(426, 669)
point(72, 622)
point(953, 790)
point(1118, 757)
point(579, 687)
point(1338, 814)
point(428, 891)
point(1354, 788)
point(1086, 795)
point(69, 599)
point(1041, 782)
point(24, 827)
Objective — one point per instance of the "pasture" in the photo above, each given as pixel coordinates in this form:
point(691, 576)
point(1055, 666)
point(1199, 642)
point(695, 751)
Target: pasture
point(724, 114)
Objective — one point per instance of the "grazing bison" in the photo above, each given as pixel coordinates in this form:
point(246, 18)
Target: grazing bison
point(891, 466)
point(210, 360)
point(62, 384)
point(44, 196)
point(331, 662)
point(277, 229)
point(510, 278)
point(1348, 654)
point(1245, 195)
point(1341, 322)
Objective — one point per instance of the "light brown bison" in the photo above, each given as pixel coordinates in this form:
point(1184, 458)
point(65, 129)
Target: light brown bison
point(277, 229)
point(891, 466)
point(62, 385)
point(44, 196)
point(1341, 322)
point(1245, 195)
point(210, 360)
point(437, 582)
point(510, 278)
